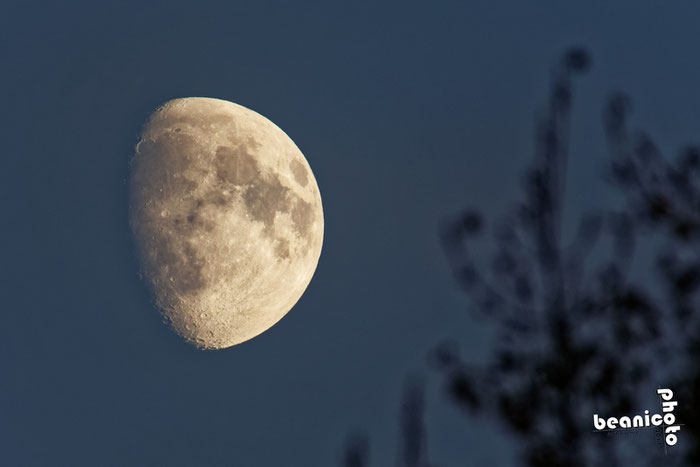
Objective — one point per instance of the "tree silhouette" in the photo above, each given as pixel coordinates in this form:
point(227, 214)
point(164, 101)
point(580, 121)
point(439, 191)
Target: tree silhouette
point(580, 332)
point(412, 439)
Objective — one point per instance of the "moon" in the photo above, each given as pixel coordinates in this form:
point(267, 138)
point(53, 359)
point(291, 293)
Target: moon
point(226, 217)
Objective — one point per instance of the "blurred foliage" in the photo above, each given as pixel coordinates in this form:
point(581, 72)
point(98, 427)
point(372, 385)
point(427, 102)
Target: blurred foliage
point(577, 333)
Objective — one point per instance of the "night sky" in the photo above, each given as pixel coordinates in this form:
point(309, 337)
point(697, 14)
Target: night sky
point(406, 112)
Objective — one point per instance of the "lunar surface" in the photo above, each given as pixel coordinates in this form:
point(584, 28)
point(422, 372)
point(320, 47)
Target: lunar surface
point(227, 218)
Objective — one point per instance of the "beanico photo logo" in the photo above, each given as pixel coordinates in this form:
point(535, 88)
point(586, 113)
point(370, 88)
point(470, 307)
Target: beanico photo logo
point(667, 420)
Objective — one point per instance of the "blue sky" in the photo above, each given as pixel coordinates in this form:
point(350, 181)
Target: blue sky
point(406, 112)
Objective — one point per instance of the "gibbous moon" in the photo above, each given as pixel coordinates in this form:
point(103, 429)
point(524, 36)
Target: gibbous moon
point(227, 219)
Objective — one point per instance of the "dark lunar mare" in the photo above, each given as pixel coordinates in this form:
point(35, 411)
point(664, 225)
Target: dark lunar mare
point(159, 176)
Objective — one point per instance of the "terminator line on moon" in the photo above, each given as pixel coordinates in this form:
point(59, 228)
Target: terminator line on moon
point(227, 219)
